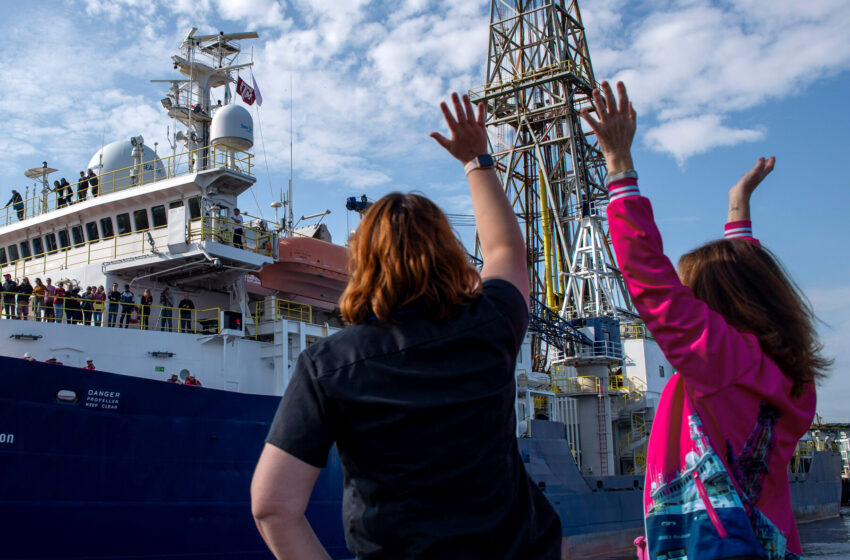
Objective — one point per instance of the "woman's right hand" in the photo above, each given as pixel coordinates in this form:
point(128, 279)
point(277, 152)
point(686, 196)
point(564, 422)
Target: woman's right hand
point(615, 128)
point(468, 134)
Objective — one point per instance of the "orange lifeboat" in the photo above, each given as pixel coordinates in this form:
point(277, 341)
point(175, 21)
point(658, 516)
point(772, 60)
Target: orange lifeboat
point(308, 271)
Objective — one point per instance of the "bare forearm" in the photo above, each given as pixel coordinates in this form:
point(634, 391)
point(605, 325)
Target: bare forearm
point(291, 538)
point(739, 207)
point(619, 161)
point(494, 217)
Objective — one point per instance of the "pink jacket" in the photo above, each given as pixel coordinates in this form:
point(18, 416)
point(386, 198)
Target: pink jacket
point(742, 399)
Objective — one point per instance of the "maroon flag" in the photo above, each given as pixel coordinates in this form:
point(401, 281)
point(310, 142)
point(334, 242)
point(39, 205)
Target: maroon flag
point(246, 91)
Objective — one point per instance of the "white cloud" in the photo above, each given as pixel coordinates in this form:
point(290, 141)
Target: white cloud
point(683, 138)
point(686, 60)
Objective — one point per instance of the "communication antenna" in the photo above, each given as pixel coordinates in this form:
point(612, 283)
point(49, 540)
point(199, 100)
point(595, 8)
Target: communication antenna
point(291, 134)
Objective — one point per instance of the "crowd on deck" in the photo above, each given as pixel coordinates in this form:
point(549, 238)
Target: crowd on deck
point(64, 191)
point(67, 302)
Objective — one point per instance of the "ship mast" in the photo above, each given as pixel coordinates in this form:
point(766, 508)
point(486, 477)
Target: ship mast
point(209, 62)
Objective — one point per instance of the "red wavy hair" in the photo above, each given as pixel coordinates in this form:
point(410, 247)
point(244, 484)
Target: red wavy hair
point(403, 255)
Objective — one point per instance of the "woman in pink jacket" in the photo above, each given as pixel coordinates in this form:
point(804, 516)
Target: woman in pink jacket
point(742, 340)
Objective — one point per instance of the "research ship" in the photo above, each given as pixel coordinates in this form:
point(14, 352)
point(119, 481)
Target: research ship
point(118, 462)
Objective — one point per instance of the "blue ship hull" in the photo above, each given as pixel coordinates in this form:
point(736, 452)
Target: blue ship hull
point(136, 468)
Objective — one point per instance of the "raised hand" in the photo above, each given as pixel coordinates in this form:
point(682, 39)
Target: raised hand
point(751, 179)
point(468, 135)
point(740, 193)
point(615, 128)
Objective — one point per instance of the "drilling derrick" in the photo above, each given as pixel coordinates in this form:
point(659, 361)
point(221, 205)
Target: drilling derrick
point(539, 78)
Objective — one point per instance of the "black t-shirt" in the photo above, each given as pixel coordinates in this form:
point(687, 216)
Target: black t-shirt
point(422, 413)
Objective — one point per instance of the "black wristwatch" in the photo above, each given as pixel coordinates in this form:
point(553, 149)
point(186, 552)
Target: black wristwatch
point(484, 161)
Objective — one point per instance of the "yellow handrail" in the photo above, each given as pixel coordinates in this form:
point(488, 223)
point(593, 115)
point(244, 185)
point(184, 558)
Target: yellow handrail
point(191, 161)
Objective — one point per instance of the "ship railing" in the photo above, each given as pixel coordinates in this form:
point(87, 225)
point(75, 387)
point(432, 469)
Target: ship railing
point(222, 230)
point(146, 172)
point(275, 309)
point(104, 313)
point(599, 350)
point(635, 332)
point(73, 250)
point(579, 384)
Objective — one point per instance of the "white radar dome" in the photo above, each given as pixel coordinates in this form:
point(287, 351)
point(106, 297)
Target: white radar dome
point(118, 170)
point(233, 127)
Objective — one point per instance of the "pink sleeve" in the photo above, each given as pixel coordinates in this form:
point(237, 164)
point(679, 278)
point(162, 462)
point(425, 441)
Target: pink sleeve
point(697, 341)
point(740, 229)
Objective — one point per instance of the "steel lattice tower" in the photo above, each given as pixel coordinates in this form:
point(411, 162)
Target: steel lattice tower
point(539, 77)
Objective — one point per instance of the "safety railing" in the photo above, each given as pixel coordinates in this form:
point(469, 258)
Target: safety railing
point(257, 240)
point(599, 350)
point(146, 172)
point(635, 436)
point(580, 384)
point(632, 332)
point(520, 79)
point(99, 312)
point(274, 309)
point(223, 230)
point(103, 249)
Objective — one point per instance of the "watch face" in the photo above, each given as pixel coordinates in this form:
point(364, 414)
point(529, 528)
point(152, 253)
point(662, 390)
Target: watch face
point(485, 160)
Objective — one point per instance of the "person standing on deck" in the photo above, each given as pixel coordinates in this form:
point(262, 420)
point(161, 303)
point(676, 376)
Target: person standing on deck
point(48, 301)
point(98, 306)
point(238, 232)
point(128, 299)
point(38, 293)
point(187, 308)
point(146, 302)
point(166, 303)
point(93, 183)
point(82, 187)
point(59, 302)
point(24, 293)
point(17, 203)
point(10, 289)
point(114, 297)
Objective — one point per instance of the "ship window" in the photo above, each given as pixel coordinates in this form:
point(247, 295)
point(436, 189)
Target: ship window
point(106, 228)
point(158, 214)
point(67, 396)
point(122, 222)
point(64, 240)
point(50, 241)
point(25, 249)
point(3, 256)
point(37, 246)
point(91, 231)
point(13, 252)
point(661, 371)
point(175, 204)
point(194, 208)
point(77, 235)
point(140, 218)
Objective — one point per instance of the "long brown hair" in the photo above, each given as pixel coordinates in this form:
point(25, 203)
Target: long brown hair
point(745, 283)
point(405, 254)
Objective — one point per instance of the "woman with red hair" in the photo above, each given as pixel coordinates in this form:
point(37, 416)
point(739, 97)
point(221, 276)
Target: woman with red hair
point(418, 393)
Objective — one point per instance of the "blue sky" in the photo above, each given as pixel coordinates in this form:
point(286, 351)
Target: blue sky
point(715, 84)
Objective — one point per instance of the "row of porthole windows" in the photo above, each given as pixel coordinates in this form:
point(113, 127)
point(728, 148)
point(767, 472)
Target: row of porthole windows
point(62, 240)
